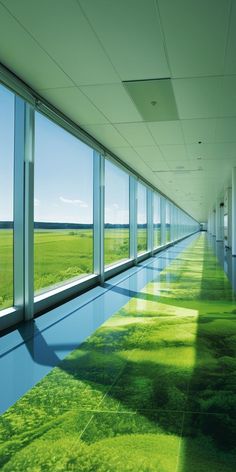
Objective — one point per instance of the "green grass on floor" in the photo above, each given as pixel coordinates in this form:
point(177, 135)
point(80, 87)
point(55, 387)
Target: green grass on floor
point(152, 390)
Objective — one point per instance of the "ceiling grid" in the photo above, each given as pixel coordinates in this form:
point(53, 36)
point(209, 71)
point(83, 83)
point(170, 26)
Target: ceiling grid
point(80, 54)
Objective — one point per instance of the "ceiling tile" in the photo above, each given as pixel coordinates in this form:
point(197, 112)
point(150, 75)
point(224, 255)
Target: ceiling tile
point(216, 151)
point(107, 135)
point(198, 98)
point(62, 30)
point(182, 165)
point(130, 156)
point(195, 34)
point(174, 152)
point(151, 155)
point(137, 134)
point(227, 98)
point(209, 165)
point(22, 55)
point(74, 104)
point(113, 101)
point(225, 130)
point(130, 33)
point(230, 60)
point(167, 132)
point(199, 130)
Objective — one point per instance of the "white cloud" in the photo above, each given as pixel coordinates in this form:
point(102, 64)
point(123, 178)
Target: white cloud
point(71, 202)
point(36, 202)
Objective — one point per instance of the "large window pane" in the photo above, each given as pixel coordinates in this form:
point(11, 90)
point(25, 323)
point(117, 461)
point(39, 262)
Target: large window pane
point(226, 228)
point(6, 196)
point(167, 222)
point(116, 232)
point(63, 206)
point(156, 220)
point(141, 218)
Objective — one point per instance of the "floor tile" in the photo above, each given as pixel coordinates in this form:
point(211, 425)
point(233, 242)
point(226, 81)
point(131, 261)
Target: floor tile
point(153, 389)
point(208, 444)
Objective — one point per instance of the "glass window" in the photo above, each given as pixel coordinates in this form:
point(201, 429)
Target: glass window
point(172, 220)
point(156, 220)
point(167, 222)
point(6, 196)
point(141, 218)
point(226, 227)
point(63, 238)
point(116, 231)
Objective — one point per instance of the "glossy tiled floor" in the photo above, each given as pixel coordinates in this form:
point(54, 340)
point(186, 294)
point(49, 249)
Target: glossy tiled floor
point(152, 390)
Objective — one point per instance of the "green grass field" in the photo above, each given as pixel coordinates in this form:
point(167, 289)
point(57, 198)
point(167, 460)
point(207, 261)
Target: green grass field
point(116, 245)
point(141, 240)
point(61, 256)
point(156, 237)
point(152, 390)
point(6, 268)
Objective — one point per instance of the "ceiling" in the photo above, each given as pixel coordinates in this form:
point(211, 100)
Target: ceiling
point(78, 53)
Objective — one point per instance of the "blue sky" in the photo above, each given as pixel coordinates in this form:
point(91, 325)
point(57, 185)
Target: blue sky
point(63, 174)
point(116, 195)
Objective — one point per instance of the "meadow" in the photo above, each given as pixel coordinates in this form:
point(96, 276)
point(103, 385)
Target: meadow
point(152, 390)
point(62, 256)
point(59, 256)
point(6, 268)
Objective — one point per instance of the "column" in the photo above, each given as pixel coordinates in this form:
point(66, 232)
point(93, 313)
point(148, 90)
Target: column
point(214, 222)
point(229, 235)
point(209, 224)
point(219, 220)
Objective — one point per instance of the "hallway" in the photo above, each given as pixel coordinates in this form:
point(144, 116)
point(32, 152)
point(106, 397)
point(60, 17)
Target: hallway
point(152, 390)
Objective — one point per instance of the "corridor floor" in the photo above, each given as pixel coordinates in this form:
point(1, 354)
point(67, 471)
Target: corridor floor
point(152, 390)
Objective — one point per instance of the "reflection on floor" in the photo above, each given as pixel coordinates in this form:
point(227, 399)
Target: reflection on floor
point(152, 390)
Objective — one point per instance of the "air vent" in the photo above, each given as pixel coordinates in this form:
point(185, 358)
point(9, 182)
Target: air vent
point(154, 99)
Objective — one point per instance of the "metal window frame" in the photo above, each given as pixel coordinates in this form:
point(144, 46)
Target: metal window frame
point(146, 253)
point(24, 208)
point(156, 195)
point(98, 213)
point(150, 195)
point(133, 217)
